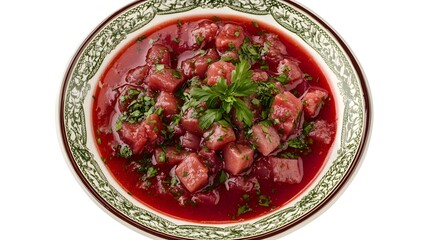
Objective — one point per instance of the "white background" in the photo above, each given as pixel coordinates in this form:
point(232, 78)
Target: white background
point(40, 198)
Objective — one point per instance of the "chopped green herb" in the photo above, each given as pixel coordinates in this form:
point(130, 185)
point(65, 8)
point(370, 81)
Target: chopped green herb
point(246, 197)
point(231, 46)
point(237, 34)
point(307, 129)
point(307, 77)
point(138, 105)
point(256, 102)
point(179, 23)
point(255, 24)
point(227, 58)
point(223, 177)
point(283, 78)
point(176, 40)
point(125, 151)
point(159, 67)
point(151, 172)
point(264, 201)
point(176, 74)
point(289, 155)
point(243, 209)
point(250, 52)
point(99, 140)
point(162, 156)
point(185, 174)
point(199, 39)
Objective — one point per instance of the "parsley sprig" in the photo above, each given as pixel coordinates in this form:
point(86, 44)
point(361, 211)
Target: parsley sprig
point(221, 98)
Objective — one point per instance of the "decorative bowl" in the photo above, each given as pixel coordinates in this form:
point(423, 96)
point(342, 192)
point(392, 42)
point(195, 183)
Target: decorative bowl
point(347, 80)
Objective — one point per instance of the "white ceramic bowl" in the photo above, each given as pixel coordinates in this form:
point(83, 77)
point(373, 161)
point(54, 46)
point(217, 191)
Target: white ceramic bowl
point(332, 54)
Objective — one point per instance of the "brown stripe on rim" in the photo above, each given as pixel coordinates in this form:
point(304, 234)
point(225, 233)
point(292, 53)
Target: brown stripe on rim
point(329, 200)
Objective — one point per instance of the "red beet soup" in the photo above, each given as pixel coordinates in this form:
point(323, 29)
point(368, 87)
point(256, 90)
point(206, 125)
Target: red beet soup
point(214, 119)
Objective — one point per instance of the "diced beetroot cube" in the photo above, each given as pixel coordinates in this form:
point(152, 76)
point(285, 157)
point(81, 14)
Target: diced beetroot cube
point(190, 123)
point(134, 135)
point(168, 80)
point(230, 37)
point(210, 198)
point(197, 66)
point(322, 131)
point(265, 138)
point(219, 70)
point(211, 160)
point(204, 33)
point(259, 76)
point(153, 126)
point(274, 50)
point(286, 112)
point(262, 168)
point(291, 69)
point(218, 136)
point(158, 54)
point(201, 64)
point(169, 103)
point(170, 155)
point(137, 75)
point(313, 101)
point(190, 141)
point(287, 170)
point(192, 173)
point(237, 157)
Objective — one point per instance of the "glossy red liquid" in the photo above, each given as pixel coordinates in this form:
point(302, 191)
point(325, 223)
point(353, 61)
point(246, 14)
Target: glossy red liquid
point(104, 112)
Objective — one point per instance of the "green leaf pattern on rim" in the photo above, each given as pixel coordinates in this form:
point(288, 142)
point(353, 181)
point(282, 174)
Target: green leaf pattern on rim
point(138, 16)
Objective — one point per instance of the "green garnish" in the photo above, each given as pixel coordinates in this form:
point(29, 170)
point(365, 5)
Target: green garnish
point(243, 209)
point(159, 67)
point(138, 105)
point(199, 39)
point(264, 201)
point(250, 52)
point(151, 172)
point(176, 74)
point(125, 151)
point(221, 98)
point(283, 78)
point(223, 177)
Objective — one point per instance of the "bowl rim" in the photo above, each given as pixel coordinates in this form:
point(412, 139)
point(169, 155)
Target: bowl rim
point(313, 213)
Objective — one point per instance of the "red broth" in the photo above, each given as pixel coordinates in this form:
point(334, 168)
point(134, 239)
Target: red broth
point(232, 203)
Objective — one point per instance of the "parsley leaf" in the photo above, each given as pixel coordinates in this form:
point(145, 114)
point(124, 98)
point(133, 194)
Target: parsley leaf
point(210, 116)
point(221, 98)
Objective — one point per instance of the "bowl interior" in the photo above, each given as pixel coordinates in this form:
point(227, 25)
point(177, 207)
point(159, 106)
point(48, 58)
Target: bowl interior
point(318, 39)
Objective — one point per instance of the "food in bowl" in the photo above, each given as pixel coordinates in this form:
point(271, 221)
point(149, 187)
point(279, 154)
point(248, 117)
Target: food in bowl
point(214, 119)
